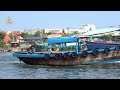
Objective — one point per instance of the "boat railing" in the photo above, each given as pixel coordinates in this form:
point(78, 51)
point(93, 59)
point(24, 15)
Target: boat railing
point(61, 48)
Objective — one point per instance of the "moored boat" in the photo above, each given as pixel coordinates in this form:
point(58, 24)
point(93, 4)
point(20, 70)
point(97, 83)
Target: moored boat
point(100, 45)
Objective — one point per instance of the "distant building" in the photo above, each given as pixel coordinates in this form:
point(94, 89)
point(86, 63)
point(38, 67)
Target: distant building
point(15, 33)
point(31, 31)
point(57, 31)
point(83, 29)
point(54, 35)
point(14, 38)
point(102, 31)
point(7, 39)
point(88, 27)
point(115, 33)
point(72, 30)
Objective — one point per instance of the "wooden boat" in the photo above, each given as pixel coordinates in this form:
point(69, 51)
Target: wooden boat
point(56, 56)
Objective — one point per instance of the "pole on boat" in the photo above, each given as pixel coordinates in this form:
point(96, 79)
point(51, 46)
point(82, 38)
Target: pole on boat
point(90, 37)
point(77, 41)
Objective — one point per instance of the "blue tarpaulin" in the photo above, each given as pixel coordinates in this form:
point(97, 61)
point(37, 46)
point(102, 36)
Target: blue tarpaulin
point(61, 40)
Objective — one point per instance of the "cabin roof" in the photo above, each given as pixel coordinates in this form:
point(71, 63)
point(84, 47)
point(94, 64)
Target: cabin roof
point(61, 40)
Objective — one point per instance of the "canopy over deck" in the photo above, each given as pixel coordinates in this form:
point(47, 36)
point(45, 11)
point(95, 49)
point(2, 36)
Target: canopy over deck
point(62, 40)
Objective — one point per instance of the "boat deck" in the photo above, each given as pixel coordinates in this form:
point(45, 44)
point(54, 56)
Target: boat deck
point(47, 52)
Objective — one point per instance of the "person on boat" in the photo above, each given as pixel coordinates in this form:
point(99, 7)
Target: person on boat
point(82, 45)
point(32, 48)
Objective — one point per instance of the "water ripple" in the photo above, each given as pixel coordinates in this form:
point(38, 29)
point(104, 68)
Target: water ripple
point(11, 68)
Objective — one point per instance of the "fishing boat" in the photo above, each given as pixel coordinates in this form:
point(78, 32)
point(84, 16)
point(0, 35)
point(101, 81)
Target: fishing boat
point(66, 51)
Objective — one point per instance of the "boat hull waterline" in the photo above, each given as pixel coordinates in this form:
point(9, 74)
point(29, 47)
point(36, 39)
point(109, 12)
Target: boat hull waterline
point(77, 60)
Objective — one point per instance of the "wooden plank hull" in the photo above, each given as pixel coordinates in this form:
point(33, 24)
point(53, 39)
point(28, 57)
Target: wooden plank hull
point(79, 59)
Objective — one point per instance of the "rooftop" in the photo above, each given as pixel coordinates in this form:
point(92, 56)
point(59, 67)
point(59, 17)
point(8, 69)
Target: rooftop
point(100, 31)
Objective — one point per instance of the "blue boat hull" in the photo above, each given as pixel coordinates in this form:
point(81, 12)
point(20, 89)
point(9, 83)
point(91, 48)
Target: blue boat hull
point(35, 59)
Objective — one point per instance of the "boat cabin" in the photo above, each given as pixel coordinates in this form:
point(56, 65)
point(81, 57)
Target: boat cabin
point(58, 45)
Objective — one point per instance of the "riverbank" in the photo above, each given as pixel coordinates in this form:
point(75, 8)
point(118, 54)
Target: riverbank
point(3, 50)
point(15, 49)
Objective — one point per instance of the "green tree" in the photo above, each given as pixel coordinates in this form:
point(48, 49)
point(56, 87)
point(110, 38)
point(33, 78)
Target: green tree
point(67, 35)
point(37, 34)
point(2, 44)
point(13, 37)
point(117, 38)
point(107, 37)
point(76, 32)
point(2, 35)
point(49, 33)
point(25, 35)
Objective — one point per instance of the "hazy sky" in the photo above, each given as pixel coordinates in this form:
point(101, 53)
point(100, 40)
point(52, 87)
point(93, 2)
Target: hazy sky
point(57, 19)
